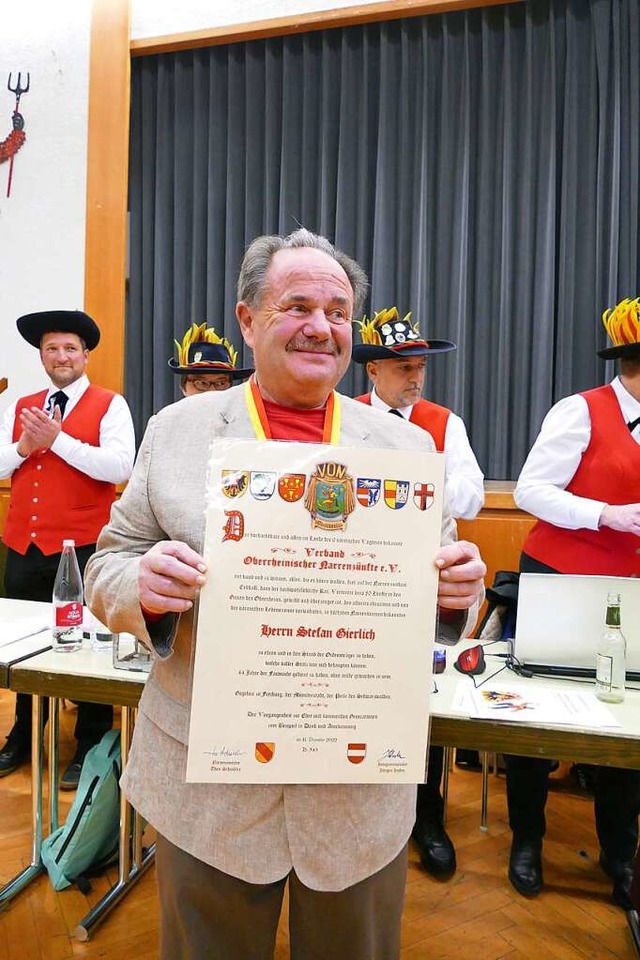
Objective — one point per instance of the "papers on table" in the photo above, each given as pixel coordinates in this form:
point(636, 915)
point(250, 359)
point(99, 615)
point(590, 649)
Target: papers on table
point(531, 704)
point(12, 630)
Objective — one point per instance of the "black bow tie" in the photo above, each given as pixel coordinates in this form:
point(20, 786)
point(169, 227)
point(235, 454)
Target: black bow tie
point(633, 424)
point(58, 399)
point(396, 412)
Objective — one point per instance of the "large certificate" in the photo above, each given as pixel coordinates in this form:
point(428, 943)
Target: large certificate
point(315, 629)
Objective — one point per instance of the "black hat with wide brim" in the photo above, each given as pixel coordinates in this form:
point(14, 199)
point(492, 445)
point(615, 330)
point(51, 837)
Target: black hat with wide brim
point(387, 336)
point(205, 357)
point(364, 352)
point(629, 350)
point(33, 326)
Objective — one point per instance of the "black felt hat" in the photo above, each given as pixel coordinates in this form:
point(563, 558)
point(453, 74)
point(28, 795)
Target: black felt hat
point(203, 351)
point(387, 337)
point(623, 326)
point(33, 326)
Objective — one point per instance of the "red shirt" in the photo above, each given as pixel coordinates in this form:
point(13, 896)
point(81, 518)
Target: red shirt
point(293, 423)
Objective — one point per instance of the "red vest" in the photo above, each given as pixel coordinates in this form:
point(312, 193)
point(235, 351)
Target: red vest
point(609, 471)
point(430, 416)
point(50, 500)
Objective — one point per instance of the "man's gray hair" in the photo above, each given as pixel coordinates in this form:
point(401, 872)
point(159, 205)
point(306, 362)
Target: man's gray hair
point(256, 261)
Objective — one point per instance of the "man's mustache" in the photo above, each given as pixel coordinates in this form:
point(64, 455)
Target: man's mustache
point(309, 345)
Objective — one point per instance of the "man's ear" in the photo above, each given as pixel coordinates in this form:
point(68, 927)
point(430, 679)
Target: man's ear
point(245, 321)
point(372, 370)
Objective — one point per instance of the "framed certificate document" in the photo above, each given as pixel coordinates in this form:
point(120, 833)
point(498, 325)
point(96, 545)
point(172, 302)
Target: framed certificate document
point(315, 628)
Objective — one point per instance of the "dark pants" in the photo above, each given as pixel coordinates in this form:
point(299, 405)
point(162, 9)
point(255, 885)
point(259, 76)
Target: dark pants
point(616, 804)
point(31, 577)
point(207, 913)
point(429, 804)
point(616, 792)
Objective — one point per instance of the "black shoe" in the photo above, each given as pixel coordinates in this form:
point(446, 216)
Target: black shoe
point(71, 776)
point(525, 866)
point(621, 872)
point(16, 751)
point(437, 853)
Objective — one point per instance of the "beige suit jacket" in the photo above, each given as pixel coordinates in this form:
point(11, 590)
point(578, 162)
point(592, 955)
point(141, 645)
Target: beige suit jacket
point(332, 835)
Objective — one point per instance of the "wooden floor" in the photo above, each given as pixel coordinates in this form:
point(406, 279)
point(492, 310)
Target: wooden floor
point(476, 915)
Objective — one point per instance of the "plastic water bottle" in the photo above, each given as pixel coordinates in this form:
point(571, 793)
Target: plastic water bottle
point(611, 655)
point(67, 601)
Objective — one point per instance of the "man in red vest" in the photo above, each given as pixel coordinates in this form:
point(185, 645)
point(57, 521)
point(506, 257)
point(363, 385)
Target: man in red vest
point(64, 448)
point(582, 480)
point(395, 354)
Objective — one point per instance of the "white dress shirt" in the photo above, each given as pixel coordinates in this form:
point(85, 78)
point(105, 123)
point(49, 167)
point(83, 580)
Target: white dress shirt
point(554, 458)
point(464, 482)
point(111, 461)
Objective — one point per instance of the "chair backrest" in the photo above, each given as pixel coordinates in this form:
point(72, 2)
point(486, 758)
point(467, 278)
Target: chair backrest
point(499, 620)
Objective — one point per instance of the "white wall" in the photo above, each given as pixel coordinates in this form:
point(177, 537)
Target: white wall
point(42, 223)
point(156, 18)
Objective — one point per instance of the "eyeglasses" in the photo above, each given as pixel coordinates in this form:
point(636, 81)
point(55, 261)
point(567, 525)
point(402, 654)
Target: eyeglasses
point(202, 384)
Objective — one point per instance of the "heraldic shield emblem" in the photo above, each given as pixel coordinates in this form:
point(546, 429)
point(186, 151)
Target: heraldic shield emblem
point(265, 752)
point(235, 482)
point(423, 494)
point(330, 497)
point(396, 493)
point(291, 486)
point(356, 752)
point(262, 484)
point(368, 491)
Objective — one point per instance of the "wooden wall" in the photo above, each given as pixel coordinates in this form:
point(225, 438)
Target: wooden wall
point(499, 529)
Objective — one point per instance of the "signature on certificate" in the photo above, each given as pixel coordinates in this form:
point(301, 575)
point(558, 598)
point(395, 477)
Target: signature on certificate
point(392, 754)
point(224, 752)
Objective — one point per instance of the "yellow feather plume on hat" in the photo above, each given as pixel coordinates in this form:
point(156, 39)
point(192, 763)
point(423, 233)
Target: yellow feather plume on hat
point(369, 329)
point(198, 332)
point(622, 323)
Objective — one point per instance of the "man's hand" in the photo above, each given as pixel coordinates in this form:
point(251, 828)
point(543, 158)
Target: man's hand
point(625, 518)
point(38, 430)
point(169, 576)
point(462, 572)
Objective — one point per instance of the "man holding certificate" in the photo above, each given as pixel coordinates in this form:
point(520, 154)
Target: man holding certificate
point(227, 850)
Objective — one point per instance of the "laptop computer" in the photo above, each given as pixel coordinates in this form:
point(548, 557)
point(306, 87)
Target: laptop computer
point(560, 618)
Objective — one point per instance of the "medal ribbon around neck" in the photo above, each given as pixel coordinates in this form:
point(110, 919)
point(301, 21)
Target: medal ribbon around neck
point(260, 424)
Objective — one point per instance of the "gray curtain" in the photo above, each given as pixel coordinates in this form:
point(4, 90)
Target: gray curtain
point(483, 166)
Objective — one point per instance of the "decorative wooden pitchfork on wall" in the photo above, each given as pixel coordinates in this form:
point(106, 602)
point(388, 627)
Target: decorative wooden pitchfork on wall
point(10, 146)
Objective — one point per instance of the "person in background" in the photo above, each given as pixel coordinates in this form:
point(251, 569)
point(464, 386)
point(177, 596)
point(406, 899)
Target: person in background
point(226, 852)
point(206, 361)
point(582, 480)
point(395, 354)
point(64, 447)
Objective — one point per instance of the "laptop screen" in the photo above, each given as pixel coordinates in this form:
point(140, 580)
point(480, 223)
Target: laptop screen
point(560, 618)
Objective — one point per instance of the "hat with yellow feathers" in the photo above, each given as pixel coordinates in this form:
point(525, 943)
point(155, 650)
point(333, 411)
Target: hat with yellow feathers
point(622, 323)
point(386, 337)
point(203, 351)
